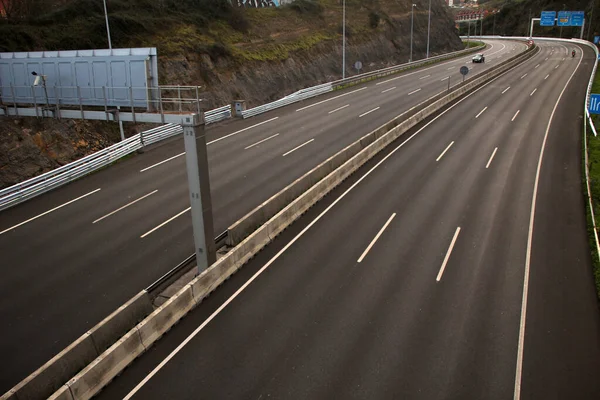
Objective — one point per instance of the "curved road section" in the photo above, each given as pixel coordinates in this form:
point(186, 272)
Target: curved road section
point(72, 256)
point(453, 266)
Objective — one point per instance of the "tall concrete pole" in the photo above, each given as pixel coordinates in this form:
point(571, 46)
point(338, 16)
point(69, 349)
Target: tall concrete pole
point(344, 40)
point(196, 160)
point(107, 27)
point(412, 19)
point(428, 29)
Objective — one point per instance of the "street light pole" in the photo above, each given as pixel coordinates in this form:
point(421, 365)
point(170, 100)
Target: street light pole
point(107, 27)
point(428, 29)
point(344, 39)
point(564, 6)
point(412, 19)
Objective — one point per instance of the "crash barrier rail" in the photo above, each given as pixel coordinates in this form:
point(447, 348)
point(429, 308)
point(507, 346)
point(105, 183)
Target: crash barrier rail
point(115, 355)
point(314, 91)
point(50, 180)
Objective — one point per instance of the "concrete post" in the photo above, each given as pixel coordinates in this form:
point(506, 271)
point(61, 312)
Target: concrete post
point(237, 106)
point(199, 188)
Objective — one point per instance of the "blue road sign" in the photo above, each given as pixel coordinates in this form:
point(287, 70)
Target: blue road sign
point(564, 18)
point(594, 107)
point(596, 41)
point(547, 18)
point(577, 18)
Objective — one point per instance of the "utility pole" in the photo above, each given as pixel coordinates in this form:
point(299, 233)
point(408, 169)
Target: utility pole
point(428, 29)
point(564, 6)
point(412, 19)
point(107, 27)
point(344, 39)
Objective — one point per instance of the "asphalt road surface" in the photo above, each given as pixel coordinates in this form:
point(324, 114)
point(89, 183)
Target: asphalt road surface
point(72, 256)
point(455, 265)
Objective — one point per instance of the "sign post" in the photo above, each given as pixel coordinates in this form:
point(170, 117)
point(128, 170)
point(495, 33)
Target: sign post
point(464, 70)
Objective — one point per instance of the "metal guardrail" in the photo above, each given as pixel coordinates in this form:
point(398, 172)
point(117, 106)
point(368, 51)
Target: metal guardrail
point(218, 114)
point(330, 86)
point(50, 180)
point(181, 269)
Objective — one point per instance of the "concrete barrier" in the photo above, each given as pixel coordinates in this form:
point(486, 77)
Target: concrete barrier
point(104, 368)
point(64, 393)
point(91, 379)
point(53, 374)
point(259, 215)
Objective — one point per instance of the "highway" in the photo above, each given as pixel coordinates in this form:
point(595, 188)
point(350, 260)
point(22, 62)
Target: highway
point(74, 255)
point(455, 265)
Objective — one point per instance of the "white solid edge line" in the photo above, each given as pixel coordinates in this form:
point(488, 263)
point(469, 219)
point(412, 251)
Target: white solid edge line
point(506, 90)
point(414, 91)
point(296, 148)
point(261, 141)
point(364, 254)
point(241, 130)
point(444, 152)
point(439, 276)
point(332, 98)
point(515, 116)
point(125, 206)
point(49, 211)
point(481, 112)
point(520, 349)
point(546, 76)
point(290, 243)
point(166, 222)
point(162, 162)
point(338, 109)
point(423, 77)
point(387, 90)
point(533, 92)
point(368, 112)
point(491, 158)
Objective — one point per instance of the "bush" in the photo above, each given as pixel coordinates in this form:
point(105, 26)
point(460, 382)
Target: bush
point(311, 7)
point(374, 19)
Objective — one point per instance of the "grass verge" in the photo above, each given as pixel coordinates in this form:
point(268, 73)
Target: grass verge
point(593, 150)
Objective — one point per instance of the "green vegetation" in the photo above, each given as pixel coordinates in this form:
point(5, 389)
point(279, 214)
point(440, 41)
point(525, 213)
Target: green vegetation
point(593, 146)
point(472, 43)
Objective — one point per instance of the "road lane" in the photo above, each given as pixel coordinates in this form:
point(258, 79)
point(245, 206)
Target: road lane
point(316, 324)
point(109, 261)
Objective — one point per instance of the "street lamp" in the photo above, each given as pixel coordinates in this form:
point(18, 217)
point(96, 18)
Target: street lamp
point(344, 40)
point(107, 27)
point(412, 19)
point(428, 29)
point(564, 6)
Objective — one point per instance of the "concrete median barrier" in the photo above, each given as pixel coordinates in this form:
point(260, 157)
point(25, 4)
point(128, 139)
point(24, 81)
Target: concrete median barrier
point(104, 368)
point(91, 379)
point(53, 374)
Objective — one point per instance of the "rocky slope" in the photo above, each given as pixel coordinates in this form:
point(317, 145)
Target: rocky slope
point(253, 54)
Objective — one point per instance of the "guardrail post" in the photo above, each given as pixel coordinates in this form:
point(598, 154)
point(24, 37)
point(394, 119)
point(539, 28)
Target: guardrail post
point(196, 159)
